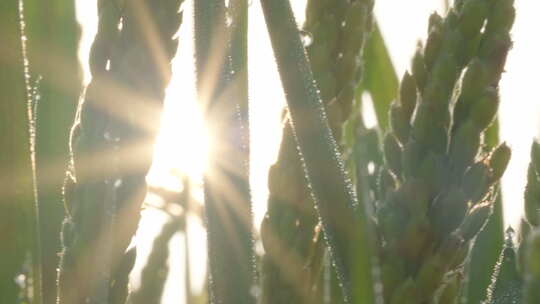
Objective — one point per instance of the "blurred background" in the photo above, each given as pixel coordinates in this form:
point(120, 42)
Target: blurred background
point(180, 151)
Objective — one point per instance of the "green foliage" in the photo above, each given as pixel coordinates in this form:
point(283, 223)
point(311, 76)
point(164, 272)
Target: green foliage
point(426, 228)
point(17, 209)
point(104, 189)
point(532, 277)
point(529, 249)
point(532, 192)
point(379, 78)
point(156, 269)
point(334, 37)
point(344, 222)
point(507, 283)
point(488, 244)
point(51, 29)
point(427, 221)
point(226, 181)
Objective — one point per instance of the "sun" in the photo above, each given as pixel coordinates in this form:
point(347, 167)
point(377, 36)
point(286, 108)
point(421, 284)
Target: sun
point(182, 145)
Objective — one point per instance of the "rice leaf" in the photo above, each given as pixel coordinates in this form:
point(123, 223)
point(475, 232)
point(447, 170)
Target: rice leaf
point(221, 77)
point(344, 222)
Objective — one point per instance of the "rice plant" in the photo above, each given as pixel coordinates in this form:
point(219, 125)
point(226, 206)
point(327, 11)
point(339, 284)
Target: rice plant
point(56, 29)
point(406, 211)
point(18, 223)
point(104, 187)
point(334, 32)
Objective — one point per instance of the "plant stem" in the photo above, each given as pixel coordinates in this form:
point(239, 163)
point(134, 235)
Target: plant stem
point(112, 139)
point(154, 273)
point(345, 223)
point(18, 205)
point(222, 90)
point(52, 26)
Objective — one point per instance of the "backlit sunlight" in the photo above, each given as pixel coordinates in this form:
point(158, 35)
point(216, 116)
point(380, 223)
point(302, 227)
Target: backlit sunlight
point(183, 142)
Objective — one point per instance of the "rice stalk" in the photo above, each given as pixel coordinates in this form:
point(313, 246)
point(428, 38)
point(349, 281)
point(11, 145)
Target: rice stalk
point(532, 190)
point(528, 249)
point(515, 277)
point(154, 273)
point(221, 74)
point(156, 269)
point(52, 44)
point(344, 222)
point(362, 147)
point(19, 238)
point(531, 292)
point(379, 78)
point(334, 35)
point(484, 255)
point(489, 242)
point(507, 282)
point(444, 182)
point(105, 185)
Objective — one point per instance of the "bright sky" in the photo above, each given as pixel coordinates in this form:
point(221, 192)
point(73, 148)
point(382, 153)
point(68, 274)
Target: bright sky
point(182, 138)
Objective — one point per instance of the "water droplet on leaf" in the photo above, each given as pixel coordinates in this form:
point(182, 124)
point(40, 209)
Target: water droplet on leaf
point(307, 38)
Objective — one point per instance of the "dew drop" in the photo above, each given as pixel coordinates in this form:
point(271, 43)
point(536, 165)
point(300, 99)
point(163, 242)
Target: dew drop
point(20, 280)
point(255, 291)
point(371, 168)
point(118, 183)
point(307, 38)
point(120, 25)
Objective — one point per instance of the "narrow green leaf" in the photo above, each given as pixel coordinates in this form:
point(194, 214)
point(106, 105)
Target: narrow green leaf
point(489, 242)
point(531, 291)
point(52, 45)
point(155, 271)
point(484, 256)
point(380, 78)
point(507, 283)
point(345, 223)
point(18, 211)
point(222, 89)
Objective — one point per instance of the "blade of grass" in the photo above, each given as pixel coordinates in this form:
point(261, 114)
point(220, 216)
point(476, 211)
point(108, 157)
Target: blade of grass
point(487, 245)
point(507, 282)
point(345, 224)
point(239, 56)
point(380, 78)
point(222, 91)
point(380, 81)
point(18, 207)
point(154, 273)
point(238, 12)
point(334, 33)
point(53, 35)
